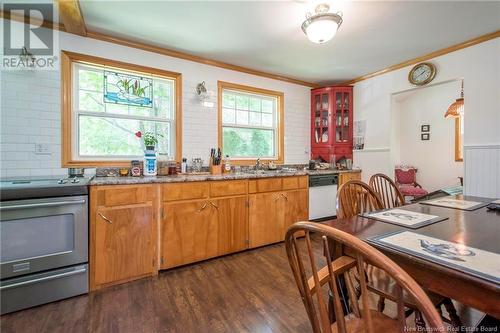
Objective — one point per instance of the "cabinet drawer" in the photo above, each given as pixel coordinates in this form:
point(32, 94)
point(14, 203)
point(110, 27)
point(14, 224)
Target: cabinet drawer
point(293, 183)
point(226, 188)
point(265, 185)
point(346, 176)
point(125, 195)
point(184, 191)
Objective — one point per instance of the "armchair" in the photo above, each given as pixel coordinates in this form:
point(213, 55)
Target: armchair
point(406, 180)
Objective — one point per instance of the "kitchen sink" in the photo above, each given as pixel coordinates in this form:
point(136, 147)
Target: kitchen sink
point(269, 172)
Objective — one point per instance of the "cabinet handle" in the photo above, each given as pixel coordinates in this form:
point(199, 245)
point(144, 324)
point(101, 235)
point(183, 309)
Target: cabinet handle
point(105, 218)
point(284, 196)
point(214, 205)
point(277, 198)
point(202, 208)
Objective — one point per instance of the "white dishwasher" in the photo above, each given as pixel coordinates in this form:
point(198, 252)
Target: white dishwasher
point(322, 196)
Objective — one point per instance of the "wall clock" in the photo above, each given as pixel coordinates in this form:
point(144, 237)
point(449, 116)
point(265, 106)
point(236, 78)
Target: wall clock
point(422, 73)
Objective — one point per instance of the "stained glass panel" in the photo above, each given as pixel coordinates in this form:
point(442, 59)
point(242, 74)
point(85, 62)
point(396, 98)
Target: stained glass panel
point(120, 88)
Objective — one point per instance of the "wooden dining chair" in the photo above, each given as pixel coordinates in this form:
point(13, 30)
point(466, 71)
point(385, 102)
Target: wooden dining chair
point(314, 283)
point(387, 190)
point(356, 197)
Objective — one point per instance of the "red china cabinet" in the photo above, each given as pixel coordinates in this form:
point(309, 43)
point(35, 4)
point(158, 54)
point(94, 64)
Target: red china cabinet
point(331, 123)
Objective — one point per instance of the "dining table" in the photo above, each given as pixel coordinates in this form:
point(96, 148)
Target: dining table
point(479, 229)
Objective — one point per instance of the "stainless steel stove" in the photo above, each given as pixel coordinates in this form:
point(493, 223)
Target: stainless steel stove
point(42, 187)
point(44, 240)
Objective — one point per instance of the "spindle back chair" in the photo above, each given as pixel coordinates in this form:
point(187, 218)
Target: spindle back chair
point(312, 281)
point(356, 197)
point(387, 190)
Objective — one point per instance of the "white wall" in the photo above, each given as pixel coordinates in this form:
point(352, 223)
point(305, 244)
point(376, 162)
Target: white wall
point(479, 66)
point(435, 158)
point(31, 102)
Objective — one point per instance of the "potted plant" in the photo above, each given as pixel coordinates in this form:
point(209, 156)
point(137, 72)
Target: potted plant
point(150, 140)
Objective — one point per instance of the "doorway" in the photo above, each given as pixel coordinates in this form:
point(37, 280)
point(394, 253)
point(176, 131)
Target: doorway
point(423, 138)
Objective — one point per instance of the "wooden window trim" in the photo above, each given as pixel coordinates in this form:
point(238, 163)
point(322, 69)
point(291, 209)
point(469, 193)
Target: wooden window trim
point(458, 140)
point(67, 60)
point(221, 85)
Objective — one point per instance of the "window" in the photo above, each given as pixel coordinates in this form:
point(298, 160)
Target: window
point(250, 123)
point(106, 102)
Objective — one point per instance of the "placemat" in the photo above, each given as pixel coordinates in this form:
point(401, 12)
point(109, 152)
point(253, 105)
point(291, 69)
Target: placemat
point(451, 202)
point(480, 263)
point(405, 218)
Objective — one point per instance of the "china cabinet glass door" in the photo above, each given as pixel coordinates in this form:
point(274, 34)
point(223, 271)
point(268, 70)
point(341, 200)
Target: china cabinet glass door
point(342, 116)
point(321, 118)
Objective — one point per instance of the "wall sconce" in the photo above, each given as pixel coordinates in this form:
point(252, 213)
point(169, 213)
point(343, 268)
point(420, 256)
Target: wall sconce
point(26, 57)
point(203, 95)
point(201, 90)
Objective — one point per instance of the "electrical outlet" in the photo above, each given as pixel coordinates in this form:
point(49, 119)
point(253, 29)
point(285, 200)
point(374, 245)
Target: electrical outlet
point(42, 149)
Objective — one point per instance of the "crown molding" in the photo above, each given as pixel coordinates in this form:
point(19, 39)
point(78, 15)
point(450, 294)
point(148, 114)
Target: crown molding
point(446, 50)
point(160, 50)
point(215, 63)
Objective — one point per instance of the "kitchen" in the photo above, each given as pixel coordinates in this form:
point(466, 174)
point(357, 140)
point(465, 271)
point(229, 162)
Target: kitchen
point(202, 163)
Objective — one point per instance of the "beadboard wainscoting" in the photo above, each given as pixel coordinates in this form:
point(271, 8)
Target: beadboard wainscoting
point(482, 163)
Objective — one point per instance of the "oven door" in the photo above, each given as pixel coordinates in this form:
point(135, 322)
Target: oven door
point(42, 234)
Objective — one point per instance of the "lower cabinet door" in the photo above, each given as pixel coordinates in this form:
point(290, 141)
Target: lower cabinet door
point(266, 218)
point(232, 224)
point(297, 208)
point(188, 233)
point(124, 247)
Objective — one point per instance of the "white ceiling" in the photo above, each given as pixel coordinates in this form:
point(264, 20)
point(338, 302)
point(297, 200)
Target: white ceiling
point(266, 35)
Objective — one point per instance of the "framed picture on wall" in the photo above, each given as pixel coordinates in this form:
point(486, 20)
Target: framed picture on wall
point(425, 136)
point(425, 129)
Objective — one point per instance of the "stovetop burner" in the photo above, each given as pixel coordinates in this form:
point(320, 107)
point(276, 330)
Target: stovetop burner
point(42, 187)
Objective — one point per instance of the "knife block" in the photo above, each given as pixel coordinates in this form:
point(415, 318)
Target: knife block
point(215, 169)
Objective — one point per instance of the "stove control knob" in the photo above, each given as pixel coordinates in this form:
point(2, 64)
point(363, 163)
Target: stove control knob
point(62, 181)
point(75, 180)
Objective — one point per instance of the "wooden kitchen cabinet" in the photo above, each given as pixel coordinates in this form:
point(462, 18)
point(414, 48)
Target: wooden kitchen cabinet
point(297, 208)
point(137, 229)
point(232, 222)
point(188, 233)
point(344, 177)
point(122, 234)
point(270, 215)
point(123, 241)
point(197, 230)
point(266, 218)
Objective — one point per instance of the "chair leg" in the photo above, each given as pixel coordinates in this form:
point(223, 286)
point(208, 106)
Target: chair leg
point(452, 312)
point(381, 304)
point(419, 321)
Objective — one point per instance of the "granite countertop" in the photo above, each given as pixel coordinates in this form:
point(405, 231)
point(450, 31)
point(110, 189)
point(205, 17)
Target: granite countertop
point(197, 178)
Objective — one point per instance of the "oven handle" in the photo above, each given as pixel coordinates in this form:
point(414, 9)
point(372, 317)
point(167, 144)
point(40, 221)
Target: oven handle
point(45, 278)
point(44, 204)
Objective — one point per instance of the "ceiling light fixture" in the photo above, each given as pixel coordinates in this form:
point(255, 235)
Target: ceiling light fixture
point(322, 26)
point(456, 109)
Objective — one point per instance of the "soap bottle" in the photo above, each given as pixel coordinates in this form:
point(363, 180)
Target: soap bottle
point(227, 164)
point(184, 165)
point(150, 163)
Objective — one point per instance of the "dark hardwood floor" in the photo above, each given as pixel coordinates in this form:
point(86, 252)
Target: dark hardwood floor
point(252, 291)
